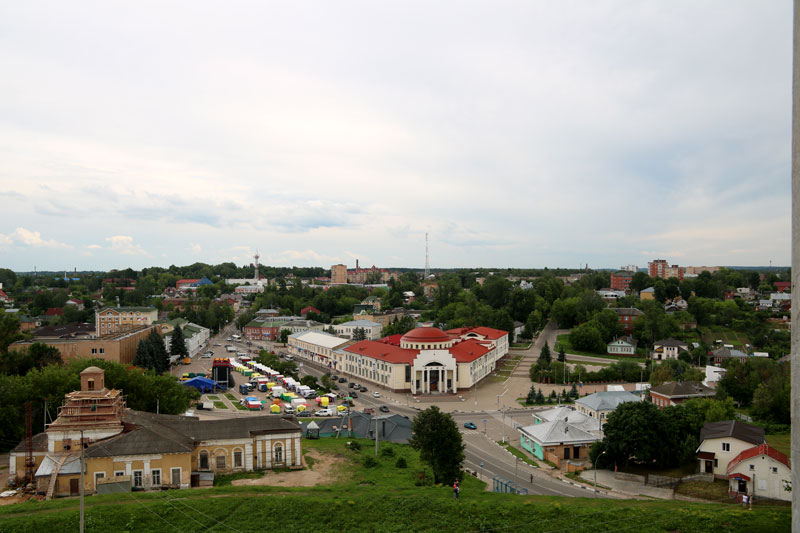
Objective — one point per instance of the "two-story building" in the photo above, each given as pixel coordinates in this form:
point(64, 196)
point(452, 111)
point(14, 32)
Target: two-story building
point(676, 392)
point(372, 330)
point(720, 442)
point(668, 349)
point(600, 404)
point(110, 320)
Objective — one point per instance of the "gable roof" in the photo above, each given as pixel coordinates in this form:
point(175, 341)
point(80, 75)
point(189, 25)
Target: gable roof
point(383, 351)
point(571, 416)
point(607, 400)
point(627, 311)
point(469, 350)
point(557, 432)
point(683, 389)
point(732, 429)
point(670, 342)
point(755, 451)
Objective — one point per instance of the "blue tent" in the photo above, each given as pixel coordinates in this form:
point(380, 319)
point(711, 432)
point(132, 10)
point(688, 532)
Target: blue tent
point(202, 384)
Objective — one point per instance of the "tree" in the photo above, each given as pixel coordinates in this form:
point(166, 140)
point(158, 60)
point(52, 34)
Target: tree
point(177, 345)
point(359, 334)
point(544, 355)
point(152, 354)
point(531, 395)
point(285, 336)
point(587, 337)
point(562, 357)
point(438, 441)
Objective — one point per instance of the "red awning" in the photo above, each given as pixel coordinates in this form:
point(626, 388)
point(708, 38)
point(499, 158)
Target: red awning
point(738, 476)
point(705, 455)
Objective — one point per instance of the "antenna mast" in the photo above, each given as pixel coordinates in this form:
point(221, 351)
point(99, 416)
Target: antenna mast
point(256, 258)
point(427, 259)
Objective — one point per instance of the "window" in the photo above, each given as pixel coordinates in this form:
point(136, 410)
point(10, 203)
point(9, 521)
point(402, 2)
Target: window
point(137, 478)
point(752, 467)
point(220, 460)
point(98, 476)
point(237, 459)
point(726, 446)
point(278, 453)
point(176, 476)
point(102, 350)
point(774, 469)
point(716, 463)
point(119, 473)
point(203, 460)
point(156, 476)
point(94, 350)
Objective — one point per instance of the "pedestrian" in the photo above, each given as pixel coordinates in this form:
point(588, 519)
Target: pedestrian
point(531, 477)
point(455, 489)
point(744, 500)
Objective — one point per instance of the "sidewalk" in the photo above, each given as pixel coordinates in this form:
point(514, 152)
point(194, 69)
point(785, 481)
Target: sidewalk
point(633, 489)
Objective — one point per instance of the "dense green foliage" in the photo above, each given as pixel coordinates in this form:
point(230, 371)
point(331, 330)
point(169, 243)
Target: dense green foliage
point(152, 354)
point(438, 441)
point(177, 343)
point(37, 355)
point(641, 433)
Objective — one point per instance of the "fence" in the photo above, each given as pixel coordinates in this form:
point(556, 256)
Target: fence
point(505, 486)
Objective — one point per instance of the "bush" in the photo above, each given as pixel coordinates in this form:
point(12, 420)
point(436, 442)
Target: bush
point(353, 445)
point(370, 462)
point(401, 463)
point(387, 451)
point(422, 479)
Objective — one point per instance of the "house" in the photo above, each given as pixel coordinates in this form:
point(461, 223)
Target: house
point(127, 450)
point(647, 294)
point(78, 304)
point(678, 304)
point(623, 346)
point(262, 330)
point(559, 442)
point(315, 347)
point(668, 349)
point(372, 301)
point(626, 317)
point(610, 295)
point(192, 284)
point(783, 286)
point(675, 392)
point(372, 330)
point(720, 442)
point(571, 415)
point(295, 326)
point(111, 320)
point(726, 354)
point(53, 312)
point(600, 404)
point(761, 471)
point(713, 375)
point(195, 336)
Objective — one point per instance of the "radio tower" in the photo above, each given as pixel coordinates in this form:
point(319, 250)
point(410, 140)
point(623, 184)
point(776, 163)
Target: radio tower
point(427, 259)
point(256, 258)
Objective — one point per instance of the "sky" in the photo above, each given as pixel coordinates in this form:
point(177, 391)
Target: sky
point(516, 134)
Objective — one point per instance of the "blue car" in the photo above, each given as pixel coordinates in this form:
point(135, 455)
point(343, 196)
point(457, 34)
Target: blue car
point(470, 425)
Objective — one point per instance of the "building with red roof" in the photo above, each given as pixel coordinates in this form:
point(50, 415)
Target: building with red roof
point(425, 360)
point(760, 471)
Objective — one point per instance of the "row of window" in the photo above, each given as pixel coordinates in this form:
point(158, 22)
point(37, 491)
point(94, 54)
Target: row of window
point(138, 477)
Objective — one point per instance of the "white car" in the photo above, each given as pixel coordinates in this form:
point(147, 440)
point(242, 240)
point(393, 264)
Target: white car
point(376, 394)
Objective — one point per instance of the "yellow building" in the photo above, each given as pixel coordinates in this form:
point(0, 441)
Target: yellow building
point(118, 347)
point(338, 274)
point(125, 449)
point(647, 294)
point(111, 320)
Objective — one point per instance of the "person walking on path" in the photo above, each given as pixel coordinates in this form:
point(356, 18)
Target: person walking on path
point(531, 478)
point(455, 489)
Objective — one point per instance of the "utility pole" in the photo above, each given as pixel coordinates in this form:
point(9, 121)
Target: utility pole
point(376, 433)
point(83, 467)
point(795, 361)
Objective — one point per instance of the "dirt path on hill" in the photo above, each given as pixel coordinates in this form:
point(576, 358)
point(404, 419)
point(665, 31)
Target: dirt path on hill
point(324, 471)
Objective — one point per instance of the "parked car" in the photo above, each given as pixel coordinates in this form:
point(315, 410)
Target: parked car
point(376, 394)
point(304, 413)
point(289, 410)
point(352, 385)
point(334, 378)
point(363, 389)
point(369, 411)
point(470, 425)
point(342, 380)
point(354, 394)
point(217, 344)
point(383, 408)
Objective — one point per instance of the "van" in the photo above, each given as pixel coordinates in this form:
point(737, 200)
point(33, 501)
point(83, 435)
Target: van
point(289, 357)
point(288, 410)
point(324, 412)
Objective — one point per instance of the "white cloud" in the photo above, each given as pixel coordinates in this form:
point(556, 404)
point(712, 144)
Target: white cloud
point(123, 244)
point(34, 238)
point(94, 247)
point(196, 248)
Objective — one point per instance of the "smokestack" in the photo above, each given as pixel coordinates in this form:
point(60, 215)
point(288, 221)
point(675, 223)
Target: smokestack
point(356, 265)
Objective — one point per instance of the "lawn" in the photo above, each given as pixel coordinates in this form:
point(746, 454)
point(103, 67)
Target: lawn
point(220, 405)
point(711, 334)
point(563, 340)
point(379, 498)
point(212, 397)
point(716, 491)
point(781, 442)
point(518, 453)
point(231, 397)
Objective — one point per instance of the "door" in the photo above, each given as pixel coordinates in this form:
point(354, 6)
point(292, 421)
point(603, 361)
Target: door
point(742, 486)
point(74, 487)
point(709, 467)
point(566, 453)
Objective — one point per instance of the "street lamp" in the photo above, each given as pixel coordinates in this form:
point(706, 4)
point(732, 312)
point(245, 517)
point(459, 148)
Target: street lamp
point(595, 472)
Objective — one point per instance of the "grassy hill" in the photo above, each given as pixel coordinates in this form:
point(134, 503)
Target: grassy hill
point(379, 498)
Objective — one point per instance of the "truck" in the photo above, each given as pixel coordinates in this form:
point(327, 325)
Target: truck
point(230, 348)
point(207, 406)
point(244, 389)
point(277, 391)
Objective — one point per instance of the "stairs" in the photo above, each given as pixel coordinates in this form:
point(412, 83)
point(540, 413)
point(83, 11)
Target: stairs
point(51, 487)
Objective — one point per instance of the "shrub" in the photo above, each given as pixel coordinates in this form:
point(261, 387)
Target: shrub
point(353, 445)
point(387, 451)
point(422, 479)
point(401, 463)
point(370, 462)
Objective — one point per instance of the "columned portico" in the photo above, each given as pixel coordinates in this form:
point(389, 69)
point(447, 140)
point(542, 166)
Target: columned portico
point(434, 377)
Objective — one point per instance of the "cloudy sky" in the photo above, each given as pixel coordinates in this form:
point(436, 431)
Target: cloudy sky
point(520, 134)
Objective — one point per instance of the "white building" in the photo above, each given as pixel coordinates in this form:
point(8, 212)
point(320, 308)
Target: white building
point(721, 442)
point(371, 329)
point(762, 472)
point(600, 404)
